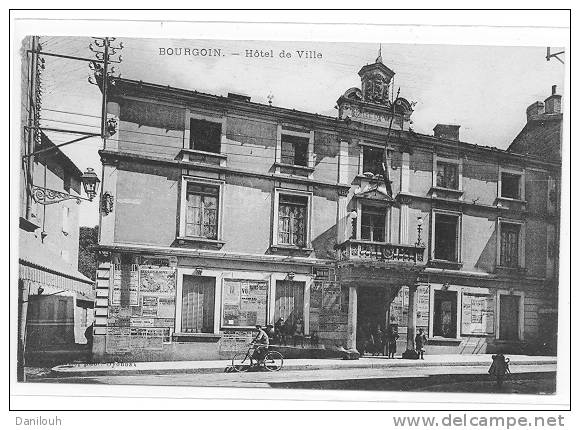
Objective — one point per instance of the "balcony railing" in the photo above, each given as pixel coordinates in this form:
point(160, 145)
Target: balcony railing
point(360, 250)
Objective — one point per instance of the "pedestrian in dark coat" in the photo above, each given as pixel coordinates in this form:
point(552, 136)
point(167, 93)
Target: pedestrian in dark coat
point(391, 339)
point(420, 342)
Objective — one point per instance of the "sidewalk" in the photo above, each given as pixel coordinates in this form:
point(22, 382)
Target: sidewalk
point(220, 366)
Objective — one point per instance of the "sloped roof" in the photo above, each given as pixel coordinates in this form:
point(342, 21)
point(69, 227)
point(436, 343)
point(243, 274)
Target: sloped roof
point(43, 257)
point(540, 137)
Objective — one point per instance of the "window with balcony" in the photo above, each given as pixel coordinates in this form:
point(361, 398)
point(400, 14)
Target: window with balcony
point(292, 220)
point(446, 234)
point(511, 185)
point(205, 135)
point(510, 245)
point(202, 206)
point(372, 160)
point(294, 150)
point(447, 175)
point(373, 223)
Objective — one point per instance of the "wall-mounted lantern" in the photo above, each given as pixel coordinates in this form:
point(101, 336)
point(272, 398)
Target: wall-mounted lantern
point(90, 182)
point(419, 229)
point(46, 196)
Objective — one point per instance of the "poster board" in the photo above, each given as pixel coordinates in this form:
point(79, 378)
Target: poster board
point(145, 318)
point(400, 308)
point(477, 314)
point(331, 296)
point(244, 302)
point(232, 341)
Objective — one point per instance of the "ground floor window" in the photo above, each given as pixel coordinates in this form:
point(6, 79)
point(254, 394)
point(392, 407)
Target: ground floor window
point(509, 317)
point(290, 302)
point(445, 314)
point(197, 306)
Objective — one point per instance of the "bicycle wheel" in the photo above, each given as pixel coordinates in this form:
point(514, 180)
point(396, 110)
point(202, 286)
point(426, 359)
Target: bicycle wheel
point(273, 361)
point(241, 362)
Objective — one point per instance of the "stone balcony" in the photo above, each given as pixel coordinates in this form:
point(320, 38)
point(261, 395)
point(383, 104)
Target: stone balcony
point(364, 251)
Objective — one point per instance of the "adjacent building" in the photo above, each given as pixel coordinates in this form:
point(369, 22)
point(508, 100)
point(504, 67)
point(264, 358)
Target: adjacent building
point(220, 213)
point(55, 299)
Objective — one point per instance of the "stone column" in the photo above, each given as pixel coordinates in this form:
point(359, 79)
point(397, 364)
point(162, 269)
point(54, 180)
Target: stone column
point(404, 222)
point(352, 313)
point(342, 220)
point(411, 323)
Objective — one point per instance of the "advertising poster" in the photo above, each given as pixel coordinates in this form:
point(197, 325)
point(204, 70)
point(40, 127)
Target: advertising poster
point(331, 296)
point(244, 302)
point(316, 295)
point(477, 314)
point(134, 288)
point(157, 280)
point(149, 306)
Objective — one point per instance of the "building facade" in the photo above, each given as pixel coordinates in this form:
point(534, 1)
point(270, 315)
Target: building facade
point(220, 213)
point(55, 299)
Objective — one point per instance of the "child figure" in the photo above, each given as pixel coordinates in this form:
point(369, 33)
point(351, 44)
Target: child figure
point(420, 342)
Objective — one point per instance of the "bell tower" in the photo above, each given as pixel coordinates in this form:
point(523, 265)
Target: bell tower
point(370, 104)
point(376, 81)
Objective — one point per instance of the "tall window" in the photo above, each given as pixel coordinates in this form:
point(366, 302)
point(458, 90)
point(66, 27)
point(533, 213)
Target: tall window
point(292, 220)
point(447, 175)
point(446, 237)
point(205, 135)
point(197, 305)
point(294, 150)
point(289, 302)
point(201, 219)
point(372, 160)
point(373, 224)
point(510, 185)
point(510, 243)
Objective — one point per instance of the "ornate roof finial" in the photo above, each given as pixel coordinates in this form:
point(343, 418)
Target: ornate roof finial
point(380, 57)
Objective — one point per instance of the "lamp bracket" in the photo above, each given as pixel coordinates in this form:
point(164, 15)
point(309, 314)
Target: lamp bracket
point(46, 196)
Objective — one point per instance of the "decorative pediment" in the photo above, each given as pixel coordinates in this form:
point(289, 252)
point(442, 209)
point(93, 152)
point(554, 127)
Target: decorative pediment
point(375, 192)
point(353, 94)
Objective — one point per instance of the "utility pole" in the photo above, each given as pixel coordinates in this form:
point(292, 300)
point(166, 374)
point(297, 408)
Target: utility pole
point(31, 136)
point(549, 55)
point(386, 177)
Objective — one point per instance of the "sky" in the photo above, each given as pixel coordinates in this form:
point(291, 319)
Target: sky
point(485, 89)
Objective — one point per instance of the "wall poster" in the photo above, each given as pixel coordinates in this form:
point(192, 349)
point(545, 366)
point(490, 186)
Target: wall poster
point(145, 321)
point(400, 308)
point(244, 302)
point(331, 295)
point(477, 313)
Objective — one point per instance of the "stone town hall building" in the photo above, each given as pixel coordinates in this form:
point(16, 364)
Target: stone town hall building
point(220, 213)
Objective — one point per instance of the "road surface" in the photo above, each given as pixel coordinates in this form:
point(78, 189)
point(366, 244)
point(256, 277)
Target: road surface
point(530, 379)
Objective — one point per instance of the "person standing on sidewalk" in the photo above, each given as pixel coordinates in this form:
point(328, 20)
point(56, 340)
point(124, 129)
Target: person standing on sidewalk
point(391, 340)
point(420, 342)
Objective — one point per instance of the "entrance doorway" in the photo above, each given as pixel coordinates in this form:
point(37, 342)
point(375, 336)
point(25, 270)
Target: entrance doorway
point(509, 317)
point(372, 307)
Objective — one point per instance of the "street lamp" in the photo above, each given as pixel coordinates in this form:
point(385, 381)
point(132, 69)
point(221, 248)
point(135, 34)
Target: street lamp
point(90, 182)
point(419, 229)
point(46, 196)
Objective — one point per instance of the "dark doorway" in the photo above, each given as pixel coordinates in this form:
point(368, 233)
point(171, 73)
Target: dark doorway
point(509, 317)
point(372, 308)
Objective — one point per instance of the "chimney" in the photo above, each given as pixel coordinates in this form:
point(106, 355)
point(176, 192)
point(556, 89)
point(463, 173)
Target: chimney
point(239, 97)
point(535, 109)
point(446, 131)
point(554, 102)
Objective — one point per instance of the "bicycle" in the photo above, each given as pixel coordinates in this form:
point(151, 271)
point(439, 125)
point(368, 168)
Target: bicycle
point(244, 361)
